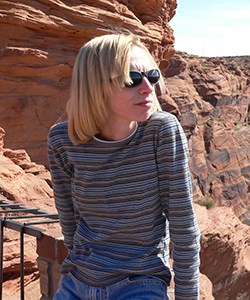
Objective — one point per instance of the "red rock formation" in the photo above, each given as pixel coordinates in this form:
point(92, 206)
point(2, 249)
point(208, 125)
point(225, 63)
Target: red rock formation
point(17, 172)
point(22, 181)
point(225, 254)
point(213, 100)
point(39, 41)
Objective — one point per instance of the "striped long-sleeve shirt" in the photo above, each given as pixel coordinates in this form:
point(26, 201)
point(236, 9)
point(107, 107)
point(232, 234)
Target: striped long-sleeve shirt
point(121, 202)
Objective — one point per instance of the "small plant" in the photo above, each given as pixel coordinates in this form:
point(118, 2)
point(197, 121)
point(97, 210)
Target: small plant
point(207, 202)
point(208, 239)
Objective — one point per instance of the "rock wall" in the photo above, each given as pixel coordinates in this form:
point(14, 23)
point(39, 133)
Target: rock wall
point(211, 97)
point(22, 181)
point(225, 252)
point(39, 40)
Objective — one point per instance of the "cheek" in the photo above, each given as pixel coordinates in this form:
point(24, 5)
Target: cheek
point(116, 102)
point(122, 97)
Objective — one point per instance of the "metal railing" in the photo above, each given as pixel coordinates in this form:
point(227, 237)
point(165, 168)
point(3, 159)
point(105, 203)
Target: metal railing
point(12, 216)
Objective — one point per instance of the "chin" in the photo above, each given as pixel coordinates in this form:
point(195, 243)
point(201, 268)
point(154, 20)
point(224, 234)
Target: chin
point(145, 116)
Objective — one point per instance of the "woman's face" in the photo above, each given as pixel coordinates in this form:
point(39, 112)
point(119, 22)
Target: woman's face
point(131, 104)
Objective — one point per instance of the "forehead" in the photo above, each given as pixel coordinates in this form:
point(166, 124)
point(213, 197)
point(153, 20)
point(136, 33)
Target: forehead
point(139, 59)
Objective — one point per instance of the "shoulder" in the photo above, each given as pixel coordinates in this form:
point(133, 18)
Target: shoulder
point(162, 117)
point(58, 132)
point(164, 128)
point(162, 120)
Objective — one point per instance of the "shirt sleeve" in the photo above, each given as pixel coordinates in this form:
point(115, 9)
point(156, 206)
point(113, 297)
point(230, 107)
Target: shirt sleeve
point(61, 181)
point(177, 199)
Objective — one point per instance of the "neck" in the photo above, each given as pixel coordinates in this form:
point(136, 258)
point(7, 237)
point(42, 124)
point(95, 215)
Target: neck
point(116, 133)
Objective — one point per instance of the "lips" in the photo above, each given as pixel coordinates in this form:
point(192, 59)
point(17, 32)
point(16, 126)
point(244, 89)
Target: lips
point(146, 103)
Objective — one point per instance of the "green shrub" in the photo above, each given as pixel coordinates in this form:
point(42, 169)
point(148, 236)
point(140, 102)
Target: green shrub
point(207, 202)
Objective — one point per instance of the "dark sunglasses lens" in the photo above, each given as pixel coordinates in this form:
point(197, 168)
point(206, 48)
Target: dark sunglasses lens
point(136, 78)
point(153, 76)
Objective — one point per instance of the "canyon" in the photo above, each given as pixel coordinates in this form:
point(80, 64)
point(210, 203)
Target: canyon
point(210, 96)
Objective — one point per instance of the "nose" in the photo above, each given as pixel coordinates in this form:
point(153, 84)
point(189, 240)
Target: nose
point(145, 86)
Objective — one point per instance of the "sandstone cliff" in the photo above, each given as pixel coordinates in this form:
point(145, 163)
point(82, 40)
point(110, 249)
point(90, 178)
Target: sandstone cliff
point(38, 44)
point(211, 97)
point(21, 181)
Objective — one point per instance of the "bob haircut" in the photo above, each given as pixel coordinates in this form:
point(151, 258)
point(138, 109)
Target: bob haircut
point(101, 65)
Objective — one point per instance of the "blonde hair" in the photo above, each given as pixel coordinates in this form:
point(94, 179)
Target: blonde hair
point(101, 65)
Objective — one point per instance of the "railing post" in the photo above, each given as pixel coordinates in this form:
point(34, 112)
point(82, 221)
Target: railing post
point(22, 263)
point(1, 258)
point(11, 221)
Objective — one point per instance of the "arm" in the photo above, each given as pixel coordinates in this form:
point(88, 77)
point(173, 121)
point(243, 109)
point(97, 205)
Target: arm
point(176, 196)
point(61, 181)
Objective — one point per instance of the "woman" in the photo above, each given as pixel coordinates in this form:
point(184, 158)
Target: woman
point(121, 181)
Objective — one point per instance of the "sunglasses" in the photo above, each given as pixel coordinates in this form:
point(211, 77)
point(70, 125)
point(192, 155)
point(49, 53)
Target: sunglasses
point(136, 77)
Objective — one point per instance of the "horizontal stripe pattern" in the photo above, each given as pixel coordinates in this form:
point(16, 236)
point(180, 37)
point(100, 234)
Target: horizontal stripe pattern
point(115, 201)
